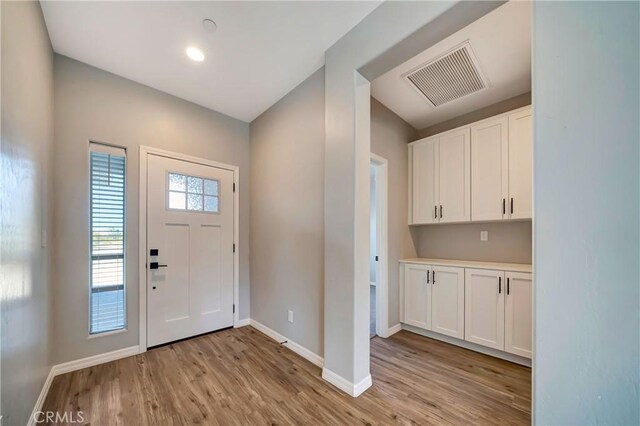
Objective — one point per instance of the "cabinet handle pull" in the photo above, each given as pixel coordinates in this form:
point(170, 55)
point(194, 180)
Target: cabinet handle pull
point(440, 211)
point(511, 205)
point(428, 277)
point(504, 206)
point(434, 278)
point(436, 211)
point(507, 286)
point(499, 285)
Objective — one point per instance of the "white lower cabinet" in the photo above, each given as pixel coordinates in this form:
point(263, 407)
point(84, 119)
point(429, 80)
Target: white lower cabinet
point(447, 301)
point(487, 307)
point(518, 315)
point(434, 298)
point(484, 308)
point(417, 296)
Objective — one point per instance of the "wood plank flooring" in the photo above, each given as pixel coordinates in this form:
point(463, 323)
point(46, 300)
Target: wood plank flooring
point(242, 377)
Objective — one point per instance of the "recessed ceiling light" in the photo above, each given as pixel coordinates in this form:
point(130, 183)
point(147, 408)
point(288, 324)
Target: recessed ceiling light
point(209, 25)
point(195, 54)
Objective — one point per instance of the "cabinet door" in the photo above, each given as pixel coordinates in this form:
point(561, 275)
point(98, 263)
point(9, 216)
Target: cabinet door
point(484, 307)
point(447, 301)
point(489, 169)
point(423, 180)
point(518, 308)
point(417, 296)
point(455, 176)
point(520, 154)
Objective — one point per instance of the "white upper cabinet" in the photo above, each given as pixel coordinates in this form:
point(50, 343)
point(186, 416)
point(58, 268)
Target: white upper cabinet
point(489, 169)
point(423, 181)
point(518, 318)
point(480, 172)
point(447, 301)
point(455, 177)
point(440, 178)
point(520, 170)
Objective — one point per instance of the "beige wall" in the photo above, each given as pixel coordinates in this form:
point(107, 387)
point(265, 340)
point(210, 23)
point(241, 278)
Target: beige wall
point(91, 104)
point(26, 147)
point(486, 112)
point(389, 137)
point(287, 214)
point(508, 241)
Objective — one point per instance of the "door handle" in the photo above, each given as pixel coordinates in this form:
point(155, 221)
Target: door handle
point(440, 211)
point(435, 214)
point(507, 286)
point(499, 285)
point(156, 265)
point(511, 205)
point(504, 204)
point(433, 278)
point(428, 277)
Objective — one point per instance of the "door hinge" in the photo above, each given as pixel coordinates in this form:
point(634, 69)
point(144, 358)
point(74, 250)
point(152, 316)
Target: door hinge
point(234, 187)
point(234, 248)
point(234, 308)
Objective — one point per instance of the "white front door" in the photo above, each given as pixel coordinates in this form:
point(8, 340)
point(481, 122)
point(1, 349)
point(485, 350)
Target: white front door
point(190, 224)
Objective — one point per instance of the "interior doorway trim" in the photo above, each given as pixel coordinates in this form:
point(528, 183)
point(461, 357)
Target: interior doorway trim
point(382, 245)
point(145, 151)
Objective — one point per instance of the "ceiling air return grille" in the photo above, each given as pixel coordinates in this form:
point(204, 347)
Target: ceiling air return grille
point(449, 77)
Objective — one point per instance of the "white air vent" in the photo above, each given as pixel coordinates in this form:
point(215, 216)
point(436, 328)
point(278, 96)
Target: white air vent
point(452, 76)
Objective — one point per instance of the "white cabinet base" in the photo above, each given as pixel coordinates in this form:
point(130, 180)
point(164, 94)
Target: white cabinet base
point(469, 345)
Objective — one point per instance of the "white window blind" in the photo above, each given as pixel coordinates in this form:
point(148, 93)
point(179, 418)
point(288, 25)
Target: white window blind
point(107, 235)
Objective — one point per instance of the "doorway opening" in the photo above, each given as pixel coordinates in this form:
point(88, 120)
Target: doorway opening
point(378, 320)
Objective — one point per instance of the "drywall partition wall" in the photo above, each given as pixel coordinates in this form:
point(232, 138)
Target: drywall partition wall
point(508, 241)
point(91, 104)
point(389, 137)
point(346, 208)
point(586, 207)
point(486, 112)
point(287, 215)
point(25, 190)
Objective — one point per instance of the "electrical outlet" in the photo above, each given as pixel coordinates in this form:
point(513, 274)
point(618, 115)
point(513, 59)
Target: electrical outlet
point(484, 235)
point(290, 316)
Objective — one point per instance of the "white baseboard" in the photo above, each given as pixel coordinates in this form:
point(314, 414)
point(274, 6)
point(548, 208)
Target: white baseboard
point(469, 345)
point(393, 330)
point(299, 349)
point(79, 364)
point(243, 323)
point(345, 385)
point(41, 397)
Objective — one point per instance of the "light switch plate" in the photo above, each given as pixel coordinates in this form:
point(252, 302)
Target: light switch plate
point(484, 235)
point(290, 316)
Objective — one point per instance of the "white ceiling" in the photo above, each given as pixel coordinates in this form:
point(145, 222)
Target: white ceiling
point(260, 51)
point(501, 41)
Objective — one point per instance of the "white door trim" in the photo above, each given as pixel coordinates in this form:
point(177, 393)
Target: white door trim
point(382, 275)
point(142, 233)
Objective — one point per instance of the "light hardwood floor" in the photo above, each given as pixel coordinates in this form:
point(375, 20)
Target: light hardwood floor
point(242, 377)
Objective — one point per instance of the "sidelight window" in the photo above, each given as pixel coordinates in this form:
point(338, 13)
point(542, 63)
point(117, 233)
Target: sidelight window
point(107, 239)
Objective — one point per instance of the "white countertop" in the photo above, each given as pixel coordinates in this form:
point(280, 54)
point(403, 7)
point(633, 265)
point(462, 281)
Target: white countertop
point(514, 267)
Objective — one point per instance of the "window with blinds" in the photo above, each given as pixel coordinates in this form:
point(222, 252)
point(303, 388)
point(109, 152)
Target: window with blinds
point(107, 235)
